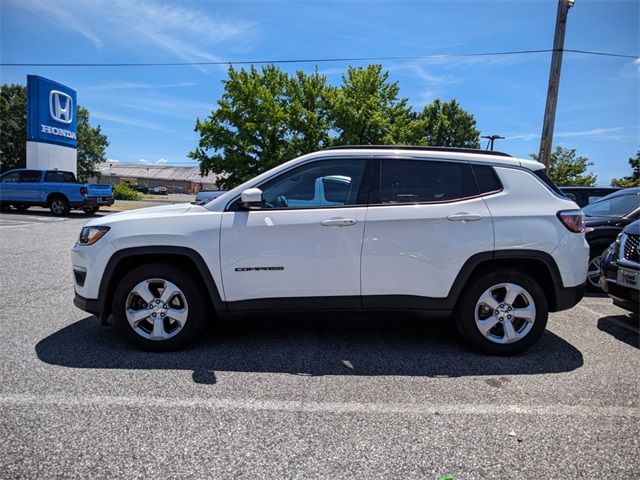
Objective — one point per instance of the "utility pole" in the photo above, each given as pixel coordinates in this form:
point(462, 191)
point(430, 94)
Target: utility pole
point(554, 81)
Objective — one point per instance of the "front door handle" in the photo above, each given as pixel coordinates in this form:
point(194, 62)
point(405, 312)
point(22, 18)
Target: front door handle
point(338, 222)
point(463, 217)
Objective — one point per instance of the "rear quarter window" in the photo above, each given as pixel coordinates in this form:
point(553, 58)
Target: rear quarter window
point(488, 181)
point(543, 177)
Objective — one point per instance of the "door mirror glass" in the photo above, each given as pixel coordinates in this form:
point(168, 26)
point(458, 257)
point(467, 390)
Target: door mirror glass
point(251, 198)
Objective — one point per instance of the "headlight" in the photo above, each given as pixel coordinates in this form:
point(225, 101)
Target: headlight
point(619, 238)
point(90, 235)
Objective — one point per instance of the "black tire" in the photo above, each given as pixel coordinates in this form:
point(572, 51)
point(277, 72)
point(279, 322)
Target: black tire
point(59, 206)
point(90, 210)
point(465, 315)
point(594, 264)
point(194, 297)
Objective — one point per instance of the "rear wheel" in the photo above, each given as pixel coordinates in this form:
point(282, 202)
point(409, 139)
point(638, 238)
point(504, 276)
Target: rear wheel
point(90, 210)
point(159, 307)
point(503, 312)
point(59, 206)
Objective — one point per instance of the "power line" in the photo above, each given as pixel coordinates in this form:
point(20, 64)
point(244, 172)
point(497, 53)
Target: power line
point(315, 60)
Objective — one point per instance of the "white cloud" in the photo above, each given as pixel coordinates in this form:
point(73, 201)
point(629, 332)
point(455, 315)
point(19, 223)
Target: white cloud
point(594, 132)
point(611, 133)
point(189, 34)
point(133, 86)
point(127, 120)
point(527, 137)
point(144, 162)
point(162, 161)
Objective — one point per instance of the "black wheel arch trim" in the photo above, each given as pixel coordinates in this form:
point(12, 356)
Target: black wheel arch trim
point(106, 287)
point(562, 297)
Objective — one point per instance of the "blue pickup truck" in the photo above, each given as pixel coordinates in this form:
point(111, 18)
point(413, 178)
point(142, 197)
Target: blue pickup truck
point(56, 189)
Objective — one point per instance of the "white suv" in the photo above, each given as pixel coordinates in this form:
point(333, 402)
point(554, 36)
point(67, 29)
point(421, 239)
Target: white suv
point(480, 237)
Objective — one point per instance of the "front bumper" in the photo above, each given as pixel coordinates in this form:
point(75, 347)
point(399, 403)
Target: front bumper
point(90, 305)
point(622, 296)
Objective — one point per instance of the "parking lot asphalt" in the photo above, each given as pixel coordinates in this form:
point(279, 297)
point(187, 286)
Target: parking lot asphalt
point(313, 396)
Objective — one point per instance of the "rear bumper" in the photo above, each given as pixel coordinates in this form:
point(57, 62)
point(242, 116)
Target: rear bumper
point(568, 297)
point(93, 202)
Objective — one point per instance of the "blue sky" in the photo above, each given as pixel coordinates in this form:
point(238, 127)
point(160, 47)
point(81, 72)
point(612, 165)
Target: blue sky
point(149, 113)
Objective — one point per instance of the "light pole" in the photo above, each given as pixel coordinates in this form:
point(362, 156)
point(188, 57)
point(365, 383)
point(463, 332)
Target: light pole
point(492, 138)
point(554, 81)
point(110, 177)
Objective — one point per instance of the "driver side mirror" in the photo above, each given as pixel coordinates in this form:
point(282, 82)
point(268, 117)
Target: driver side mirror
point(251, 199)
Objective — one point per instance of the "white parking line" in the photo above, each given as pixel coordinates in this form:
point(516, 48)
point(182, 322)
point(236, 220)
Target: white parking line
point(27, 221)
point(318, 407)
point(614, 320)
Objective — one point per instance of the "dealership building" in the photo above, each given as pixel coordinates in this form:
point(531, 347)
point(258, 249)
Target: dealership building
point(174, 179)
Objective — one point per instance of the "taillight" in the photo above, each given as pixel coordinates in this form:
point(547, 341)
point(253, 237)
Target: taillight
point(83, 191)
point(573, 220)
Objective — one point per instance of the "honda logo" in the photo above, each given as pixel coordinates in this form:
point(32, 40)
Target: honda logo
point(60, 107)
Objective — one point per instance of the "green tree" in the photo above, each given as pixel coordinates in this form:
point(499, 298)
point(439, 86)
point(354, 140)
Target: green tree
point(92, 146)
point(13, 126)
point(565, 169)
point(634, 179)
point(309, 121)
point(91, 142)
point(247, 133)
point(263, 119)
point(447, 124)
point(266, 117)
point(366, 110)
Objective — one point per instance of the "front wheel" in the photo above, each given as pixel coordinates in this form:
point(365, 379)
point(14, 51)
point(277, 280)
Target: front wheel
point(503, 312)
point(159, 307)
point(593, 272)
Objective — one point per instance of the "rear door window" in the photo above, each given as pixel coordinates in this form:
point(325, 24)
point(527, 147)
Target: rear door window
point(56, 176)
point(424, 181)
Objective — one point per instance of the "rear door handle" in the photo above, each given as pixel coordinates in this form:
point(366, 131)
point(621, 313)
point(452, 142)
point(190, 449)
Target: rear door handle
point(338, 222)
point(462, 217)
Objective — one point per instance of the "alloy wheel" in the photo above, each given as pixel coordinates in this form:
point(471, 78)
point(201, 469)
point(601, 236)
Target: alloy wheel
point(593, 273)
point(156, 309)
point(505, 313)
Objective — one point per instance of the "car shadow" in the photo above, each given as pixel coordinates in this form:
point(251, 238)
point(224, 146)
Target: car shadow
point(615, 326)
point(315, 345)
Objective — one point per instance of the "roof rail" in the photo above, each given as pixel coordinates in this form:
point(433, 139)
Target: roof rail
point(420, 148)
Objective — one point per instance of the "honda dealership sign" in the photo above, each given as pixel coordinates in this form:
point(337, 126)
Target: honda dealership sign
point(51, 125)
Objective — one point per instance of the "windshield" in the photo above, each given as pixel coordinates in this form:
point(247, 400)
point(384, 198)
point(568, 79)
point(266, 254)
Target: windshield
point(618, 206)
